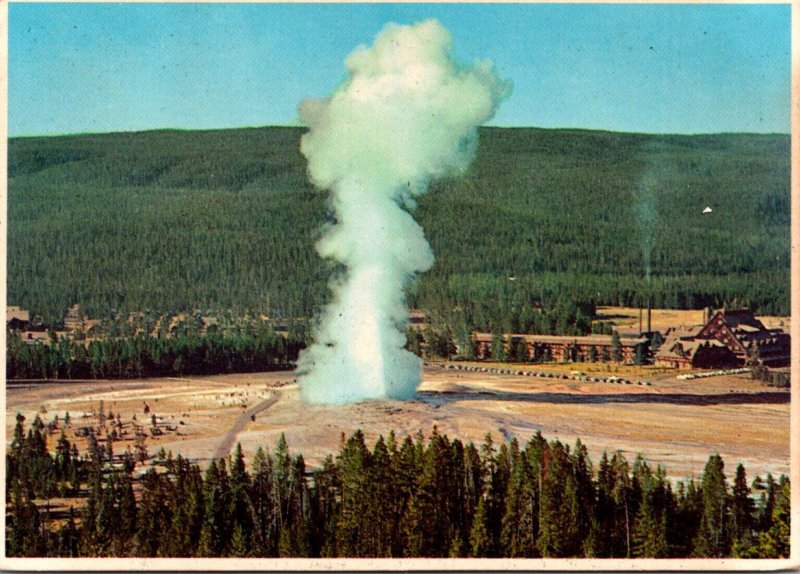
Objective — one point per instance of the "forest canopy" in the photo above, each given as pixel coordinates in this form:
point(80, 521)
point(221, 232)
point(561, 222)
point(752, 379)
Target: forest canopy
point(220, 221)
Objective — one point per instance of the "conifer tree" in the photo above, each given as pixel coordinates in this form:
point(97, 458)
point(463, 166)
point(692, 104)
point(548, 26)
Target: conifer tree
point(153, 515)
point(689, 514)
point(300, 509)
point(325, 508)
point(584, 487)
point(473, 485)
point(177, 537)
point(282, 483)
point(68, 537)
point(621, 494)
point(240, 546)
point(239, 490)
point(713, 537)
point(559, 534)
point(741, 509)
point(616, 347)
point(107, 519)
point(775, 542)
point(650, 526)
point(125, 504)
point(498, 349)
point(469, 348)
point(87, 545)
point(436, 493)
point(18, 441)
point(519, 526)
point(407, 471)
point(458, 504)
point(767, 503)
point(23, 530)
point(650, 532)
point(351, 528)
point(480, 543)
point(212, 540)
point(497, 470)
point(381, 502)
point(601, 532)
point(263, 514)
point(63, 462)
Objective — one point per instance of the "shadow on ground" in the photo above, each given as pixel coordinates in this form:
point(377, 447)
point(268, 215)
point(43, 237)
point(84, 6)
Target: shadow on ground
point(766, 397)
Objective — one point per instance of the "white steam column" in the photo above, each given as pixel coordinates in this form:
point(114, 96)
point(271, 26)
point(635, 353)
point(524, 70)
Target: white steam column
point(406, 113)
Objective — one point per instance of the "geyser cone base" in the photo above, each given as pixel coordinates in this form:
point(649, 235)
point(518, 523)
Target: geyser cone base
point(339, 383)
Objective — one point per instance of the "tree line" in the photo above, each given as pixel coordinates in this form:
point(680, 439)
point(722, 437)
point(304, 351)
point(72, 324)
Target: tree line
point(144, 355)
point(145, 347)
point(410, 497)
point(226, 221)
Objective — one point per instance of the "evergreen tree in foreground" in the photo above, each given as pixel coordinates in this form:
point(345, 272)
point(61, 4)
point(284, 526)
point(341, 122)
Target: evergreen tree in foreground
point(433, 497)
point(713, 538)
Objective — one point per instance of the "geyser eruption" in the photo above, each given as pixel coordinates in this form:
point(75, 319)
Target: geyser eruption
point(407, 112)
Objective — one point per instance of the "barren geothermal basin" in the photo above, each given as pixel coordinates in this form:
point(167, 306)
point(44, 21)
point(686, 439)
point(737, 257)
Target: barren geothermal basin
point(675, 422)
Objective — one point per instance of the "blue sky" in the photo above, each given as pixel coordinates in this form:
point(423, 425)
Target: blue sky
point(645, 68)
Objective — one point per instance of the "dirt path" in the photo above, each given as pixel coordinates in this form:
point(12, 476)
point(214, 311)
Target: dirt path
point(227, 441)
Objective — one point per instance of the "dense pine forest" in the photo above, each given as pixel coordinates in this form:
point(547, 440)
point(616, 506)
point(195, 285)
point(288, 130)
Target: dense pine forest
point(145, 356)
point(225, 221)
point(431, 497)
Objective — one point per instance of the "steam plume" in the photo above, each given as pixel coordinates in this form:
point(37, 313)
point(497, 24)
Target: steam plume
point(407, 112)
point(647, 217)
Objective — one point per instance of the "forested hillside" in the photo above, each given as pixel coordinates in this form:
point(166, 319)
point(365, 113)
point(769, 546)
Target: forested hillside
point(226, 220)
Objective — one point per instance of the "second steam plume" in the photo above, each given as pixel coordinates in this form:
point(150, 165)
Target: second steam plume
point(406, 113)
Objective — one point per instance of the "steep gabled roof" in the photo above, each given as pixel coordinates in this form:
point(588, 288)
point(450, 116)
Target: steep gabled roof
point(683, 347)
point(743, 318)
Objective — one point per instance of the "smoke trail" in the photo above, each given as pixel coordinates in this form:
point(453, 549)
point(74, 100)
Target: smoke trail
point(406, 113)
point(647, 217)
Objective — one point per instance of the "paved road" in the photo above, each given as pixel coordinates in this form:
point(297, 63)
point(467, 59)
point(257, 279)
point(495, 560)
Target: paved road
point(226, 444)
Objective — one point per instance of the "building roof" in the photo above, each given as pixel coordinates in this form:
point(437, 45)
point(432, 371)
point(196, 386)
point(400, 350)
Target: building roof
point(416, 316)
point(742, 318)
point(683, 332)
point(675, 347)
point(748, 329)
point(18, 313)
point(14, 312)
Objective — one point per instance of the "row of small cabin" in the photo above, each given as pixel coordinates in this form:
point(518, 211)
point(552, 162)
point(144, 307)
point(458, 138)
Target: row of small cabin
point(18, 319)
point(730, 338)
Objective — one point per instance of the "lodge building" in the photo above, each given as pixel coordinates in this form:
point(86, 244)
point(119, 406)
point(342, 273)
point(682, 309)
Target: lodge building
point(561, 348)
point(730, 338)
